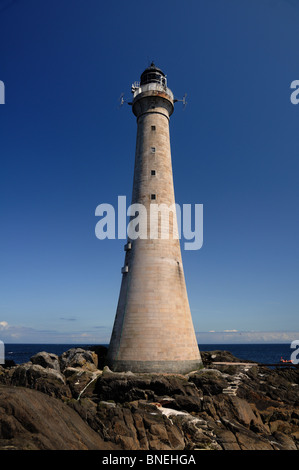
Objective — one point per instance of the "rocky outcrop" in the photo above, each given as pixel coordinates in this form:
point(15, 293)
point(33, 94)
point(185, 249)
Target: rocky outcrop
point(43, 379)
point(225, 407)
point(30, 420)
point(46, 360)
point(209, 357)
point(77, 357)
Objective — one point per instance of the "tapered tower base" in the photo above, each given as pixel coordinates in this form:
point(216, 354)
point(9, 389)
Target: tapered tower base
point(174, 367)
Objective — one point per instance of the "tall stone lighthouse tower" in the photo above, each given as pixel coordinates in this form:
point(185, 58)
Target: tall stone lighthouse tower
point(153, 330)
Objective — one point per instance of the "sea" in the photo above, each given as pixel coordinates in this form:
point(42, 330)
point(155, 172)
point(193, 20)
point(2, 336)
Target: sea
point(262, 353)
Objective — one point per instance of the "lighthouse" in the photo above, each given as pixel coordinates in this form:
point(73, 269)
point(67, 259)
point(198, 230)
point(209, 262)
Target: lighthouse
point(153, 329)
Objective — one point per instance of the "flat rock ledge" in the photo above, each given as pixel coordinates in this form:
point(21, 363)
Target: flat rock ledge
point(74, 402)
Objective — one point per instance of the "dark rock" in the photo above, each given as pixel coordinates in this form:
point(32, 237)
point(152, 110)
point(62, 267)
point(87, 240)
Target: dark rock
point(246, 414)
point(209, 408)
point(135, 428)
point(246, 438)
point(282, 415)
point(227, 439)
point(283, 442)
point(8, 363)
point(29, 420)
point(129, 387)
point(209, 381)
point(281, 426)
point(161, 434)
point(48, 381)
point(46, 360)
point(185, 403)
point(80, 381)
point(77, 357)
point(209, 357)
point(101, 352)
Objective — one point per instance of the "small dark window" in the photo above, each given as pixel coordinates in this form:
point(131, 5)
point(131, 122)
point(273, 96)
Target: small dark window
point(153, 128)
point(153, 172)
point(153, 196)
point(153, 149)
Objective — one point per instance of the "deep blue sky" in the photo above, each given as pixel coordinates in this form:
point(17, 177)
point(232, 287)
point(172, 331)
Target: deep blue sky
point(66, 147)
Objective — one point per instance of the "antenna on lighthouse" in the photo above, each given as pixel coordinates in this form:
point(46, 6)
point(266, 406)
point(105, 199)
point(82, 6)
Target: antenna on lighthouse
point(183, 100)
point(122, 100)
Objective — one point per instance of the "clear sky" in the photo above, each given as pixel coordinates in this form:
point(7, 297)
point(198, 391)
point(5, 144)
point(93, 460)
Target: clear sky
point(66, 147)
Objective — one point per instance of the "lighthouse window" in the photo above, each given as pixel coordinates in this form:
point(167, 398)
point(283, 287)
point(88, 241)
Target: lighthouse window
point(153, 149)
point(153, 196)
point(153, 128)
point(153, 172)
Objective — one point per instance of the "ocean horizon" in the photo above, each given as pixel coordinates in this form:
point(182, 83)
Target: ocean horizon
point(267, 353)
